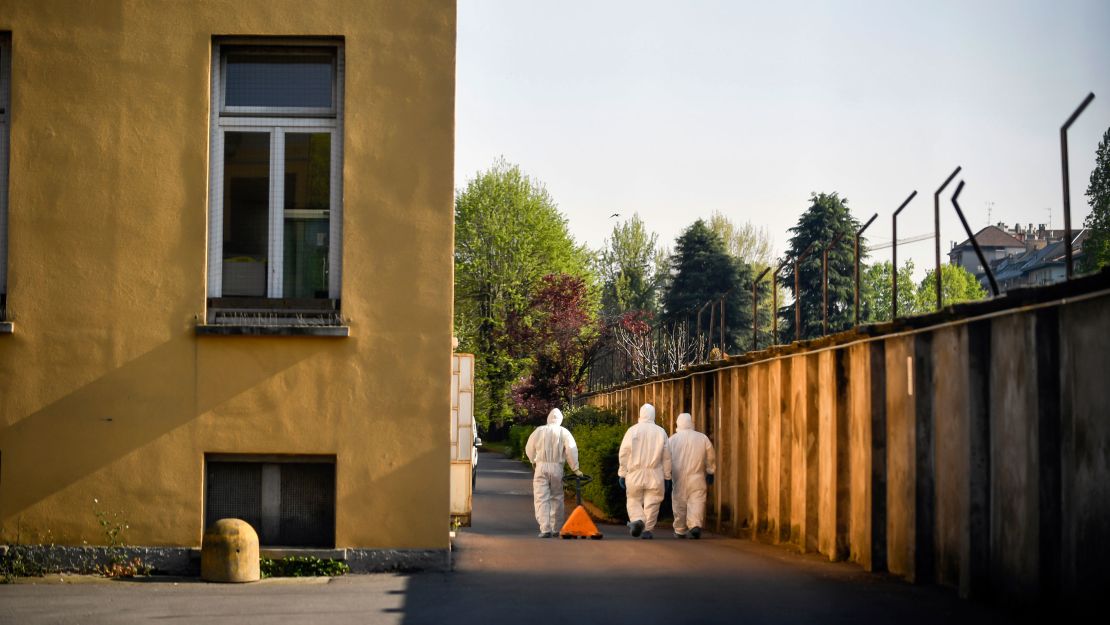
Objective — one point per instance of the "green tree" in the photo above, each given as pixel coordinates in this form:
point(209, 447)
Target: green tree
point(957, 285)
point(745, 242)
point(702, 271)
point(876, 293)
point(629, 268)
point(508, 234)
point(560, 336)
point(753, 246)
point(1096, 249)
point(826, 217)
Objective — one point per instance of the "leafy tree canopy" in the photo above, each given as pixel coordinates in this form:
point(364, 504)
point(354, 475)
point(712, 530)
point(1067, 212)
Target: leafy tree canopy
point(632, 267)
point(876, 292)
point(957, 285)
point(1096, 249)
point(559, 334)
point(508, 234)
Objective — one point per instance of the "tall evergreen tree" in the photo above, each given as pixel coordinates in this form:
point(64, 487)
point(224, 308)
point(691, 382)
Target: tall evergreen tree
point(826, 217)
point(1096, 249)
point(702, 271)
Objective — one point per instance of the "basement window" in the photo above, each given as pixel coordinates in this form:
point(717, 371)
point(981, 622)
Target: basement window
point(288, 500)
point(275, 191)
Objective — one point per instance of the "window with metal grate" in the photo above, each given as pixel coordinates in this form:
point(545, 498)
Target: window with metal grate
point(289, 504)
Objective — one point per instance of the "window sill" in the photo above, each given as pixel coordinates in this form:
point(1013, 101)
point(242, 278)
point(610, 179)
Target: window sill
point(228, 329)
point(7, 327)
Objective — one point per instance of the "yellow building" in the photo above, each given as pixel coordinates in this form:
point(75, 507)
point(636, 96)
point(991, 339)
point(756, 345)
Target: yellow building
point(227, 271)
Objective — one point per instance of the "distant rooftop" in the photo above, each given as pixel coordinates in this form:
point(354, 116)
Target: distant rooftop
point(993, 236)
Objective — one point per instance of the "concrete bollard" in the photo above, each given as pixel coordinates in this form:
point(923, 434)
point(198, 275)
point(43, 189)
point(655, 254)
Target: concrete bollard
point(229, 552)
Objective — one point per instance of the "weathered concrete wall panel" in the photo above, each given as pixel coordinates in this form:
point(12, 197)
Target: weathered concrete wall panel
point(829, 441)
point(799, 456)
point(901, 455)
point(859, 454)
point(952, 453)
point(1014, 486)
point(1085, 449)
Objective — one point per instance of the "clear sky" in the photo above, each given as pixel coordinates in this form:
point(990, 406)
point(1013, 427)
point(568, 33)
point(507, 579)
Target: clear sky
point(677, 109)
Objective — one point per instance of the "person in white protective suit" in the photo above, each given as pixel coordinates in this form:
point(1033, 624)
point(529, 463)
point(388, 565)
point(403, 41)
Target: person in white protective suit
point(645, 471)
point(692, 466)
point(548, 448)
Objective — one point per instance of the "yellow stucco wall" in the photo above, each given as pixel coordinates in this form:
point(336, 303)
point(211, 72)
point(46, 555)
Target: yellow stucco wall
point(104, 390)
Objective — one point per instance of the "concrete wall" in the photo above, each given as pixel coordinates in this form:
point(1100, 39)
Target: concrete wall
point(105, 389)
point(973, 452)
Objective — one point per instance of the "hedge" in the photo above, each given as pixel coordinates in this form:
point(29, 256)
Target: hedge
point(518, 438)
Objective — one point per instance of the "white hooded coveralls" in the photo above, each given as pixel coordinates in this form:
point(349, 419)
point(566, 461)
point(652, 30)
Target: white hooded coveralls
point(645, 462)
point(692, 458)
point(548, 448)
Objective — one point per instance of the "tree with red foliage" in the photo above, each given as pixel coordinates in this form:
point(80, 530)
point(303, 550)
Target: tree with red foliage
point(559, 333)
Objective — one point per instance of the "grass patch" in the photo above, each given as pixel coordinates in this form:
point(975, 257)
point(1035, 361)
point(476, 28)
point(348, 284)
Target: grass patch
point(302, 566)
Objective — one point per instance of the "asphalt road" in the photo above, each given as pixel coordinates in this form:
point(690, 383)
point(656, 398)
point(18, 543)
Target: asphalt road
point(504, 574)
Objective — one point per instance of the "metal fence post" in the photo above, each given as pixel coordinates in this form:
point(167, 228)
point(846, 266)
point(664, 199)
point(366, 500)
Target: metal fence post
point(825, 282)
point(859, 233)
point(936, 231)
point(755, 309)
point(974, 243)
point(1067, 186)
point(798, 292)
point(894, 259)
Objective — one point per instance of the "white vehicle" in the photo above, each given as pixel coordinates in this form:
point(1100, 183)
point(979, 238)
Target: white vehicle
point(464, 438)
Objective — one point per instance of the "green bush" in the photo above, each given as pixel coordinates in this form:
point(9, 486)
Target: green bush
point(598, 448)
point(302, 566)
point(518, 438)
point(590, 416)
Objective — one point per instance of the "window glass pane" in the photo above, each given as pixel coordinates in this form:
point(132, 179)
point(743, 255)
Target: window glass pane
point(278, 80)
point(307, 211)
point(246, 213)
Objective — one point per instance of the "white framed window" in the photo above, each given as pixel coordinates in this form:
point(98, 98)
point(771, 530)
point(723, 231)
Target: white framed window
point(5, 118)
point(275, 183)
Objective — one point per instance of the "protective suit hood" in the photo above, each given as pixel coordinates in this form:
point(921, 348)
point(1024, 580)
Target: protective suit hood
point(685, 421)
point(555, 417)
point(647, 413)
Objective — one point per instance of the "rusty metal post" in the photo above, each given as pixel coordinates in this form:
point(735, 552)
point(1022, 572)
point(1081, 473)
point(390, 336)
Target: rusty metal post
point(723, 325)
point(712, 317)
point(936, 231)
point(825, 283)
point(1067, 186)
point(755, 309)
point(971, 236)
point(859, 233)
point(894, 259)
point(775, 302)
point(798, 292)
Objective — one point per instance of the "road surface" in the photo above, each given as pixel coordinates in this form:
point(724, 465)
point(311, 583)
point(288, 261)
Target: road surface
point(504, 574)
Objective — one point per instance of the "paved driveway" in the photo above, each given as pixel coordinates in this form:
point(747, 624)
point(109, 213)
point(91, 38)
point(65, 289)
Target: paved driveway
point(503, 574)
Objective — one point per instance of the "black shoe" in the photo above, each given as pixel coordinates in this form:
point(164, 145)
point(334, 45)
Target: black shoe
point(646, 536)
point(695, 533)
point(677, 535)
point(544, 535)
point(635, 528)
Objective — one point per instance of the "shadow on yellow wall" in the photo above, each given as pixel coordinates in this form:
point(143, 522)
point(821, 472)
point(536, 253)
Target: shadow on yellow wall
point(124, 410)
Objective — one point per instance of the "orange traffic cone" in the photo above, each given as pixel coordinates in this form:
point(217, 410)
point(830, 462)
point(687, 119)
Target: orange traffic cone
point(579, 524)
